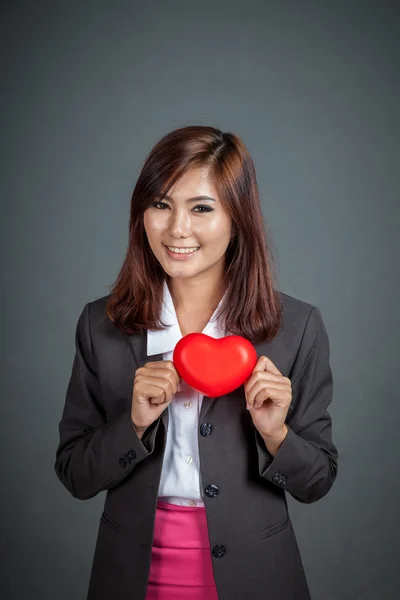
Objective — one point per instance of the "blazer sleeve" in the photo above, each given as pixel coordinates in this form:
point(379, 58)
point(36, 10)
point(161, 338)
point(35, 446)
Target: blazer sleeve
point(93, 454)
point(306, 462)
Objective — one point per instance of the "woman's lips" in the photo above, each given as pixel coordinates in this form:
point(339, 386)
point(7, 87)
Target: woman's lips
point(178, 256)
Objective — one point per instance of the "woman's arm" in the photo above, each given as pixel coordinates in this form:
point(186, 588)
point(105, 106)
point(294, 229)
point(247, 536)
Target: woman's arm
point(93, 454)
point(305, 463)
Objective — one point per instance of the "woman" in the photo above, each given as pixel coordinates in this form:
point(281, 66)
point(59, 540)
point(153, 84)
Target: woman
point(195, 505)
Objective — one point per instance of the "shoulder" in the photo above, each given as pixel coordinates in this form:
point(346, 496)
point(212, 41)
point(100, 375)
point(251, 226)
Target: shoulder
point(98, 306)
point(301, 320)
point(294, 307)
point(94, 315)
point(296, 312)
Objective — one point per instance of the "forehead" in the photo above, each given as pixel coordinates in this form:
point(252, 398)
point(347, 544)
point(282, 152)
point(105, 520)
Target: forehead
point(194, 182)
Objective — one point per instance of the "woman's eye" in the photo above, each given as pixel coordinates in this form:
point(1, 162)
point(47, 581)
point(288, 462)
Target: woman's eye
point(162, 205)
point(207, 208)
point(155, 204)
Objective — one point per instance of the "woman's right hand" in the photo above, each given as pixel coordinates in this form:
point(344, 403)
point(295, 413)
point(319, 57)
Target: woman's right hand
point(154, 386)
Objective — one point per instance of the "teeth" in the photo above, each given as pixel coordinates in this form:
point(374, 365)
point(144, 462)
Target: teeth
point(183, 250)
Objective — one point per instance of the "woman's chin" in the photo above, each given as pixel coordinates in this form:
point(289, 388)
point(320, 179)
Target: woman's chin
point(180, 270)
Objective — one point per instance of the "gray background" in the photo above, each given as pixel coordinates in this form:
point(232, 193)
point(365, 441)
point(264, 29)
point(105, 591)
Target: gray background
point(313, 90)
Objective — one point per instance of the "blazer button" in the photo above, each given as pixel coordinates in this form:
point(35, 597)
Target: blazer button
point(279, 479)
point(122, 461)
point(211, 490)
point(205, 429)
point(131, 454)
point(218, 550)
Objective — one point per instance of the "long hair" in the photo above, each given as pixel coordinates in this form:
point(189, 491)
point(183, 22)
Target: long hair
point(252, 307)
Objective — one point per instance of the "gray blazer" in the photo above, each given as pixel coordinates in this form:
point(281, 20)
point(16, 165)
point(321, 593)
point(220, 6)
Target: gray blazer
point(253, 547)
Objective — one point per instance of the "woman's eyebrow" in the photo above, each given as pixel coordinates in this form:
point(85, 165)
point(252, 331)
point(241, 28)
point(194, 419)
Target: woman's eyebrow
point(194, 199)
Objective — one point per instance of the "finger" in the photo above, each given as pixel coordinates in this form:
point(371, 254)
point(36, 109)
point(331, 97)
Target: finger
point(259, 387)
point(280, 398)
point(271, 367)
point(163, 373)
point(266, 364)
point(257, 369)
point(170, 367)
point(153, 393)
point(265, 376)
point(157, 400)
point(264, 395)
point(260, 364)
point(166, 364)
point(261, 397)
point(154, 363)
point(156, 382)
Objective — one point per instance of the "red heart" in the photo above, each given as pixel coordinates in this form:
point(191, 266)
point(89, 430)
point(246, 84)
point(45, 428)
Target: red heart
point(214, 367)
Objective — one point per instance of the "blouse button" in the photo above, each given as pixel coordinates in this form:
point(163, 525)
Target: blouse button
point(188, 405)
point(189, 459)
point(192, 503)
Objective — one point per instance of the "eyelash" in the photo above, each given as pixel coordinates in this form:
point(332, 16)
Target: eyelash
point(209, 209)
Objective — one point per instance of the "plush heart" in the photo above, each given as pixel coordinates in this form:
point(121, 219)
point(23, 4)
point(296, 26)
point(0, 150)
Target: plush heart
point(214, 367)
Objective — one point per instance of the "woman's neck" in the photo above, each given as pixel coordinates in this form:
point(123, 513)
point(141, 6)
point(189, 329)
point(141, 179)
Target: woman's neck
point(195, 296)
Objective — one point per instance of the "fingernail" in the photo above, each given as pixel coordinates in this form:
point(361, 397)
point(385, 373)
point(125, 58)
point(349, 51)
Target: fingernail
point(247, 406)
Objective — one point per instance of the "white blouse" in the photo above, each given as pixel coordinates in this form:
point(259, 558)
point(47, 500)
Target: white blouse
point(180, 476)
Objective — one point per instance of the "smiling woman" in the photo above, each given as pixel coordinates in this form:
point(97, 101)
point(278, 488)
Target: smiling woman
point(195, 506)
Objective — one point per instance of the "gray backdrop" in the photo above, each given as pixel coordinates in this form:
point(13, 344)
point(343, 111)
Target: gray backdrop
point(313, 90)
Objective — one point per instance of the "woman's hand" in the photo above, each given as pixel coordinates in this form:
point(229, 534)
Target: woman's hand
point(268, 396)
point(154, 386)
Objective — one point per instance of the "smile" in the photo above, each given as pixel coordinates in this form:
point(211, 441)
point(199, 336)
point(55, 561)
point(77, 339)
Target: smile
point(181, 253)
point(183, 250)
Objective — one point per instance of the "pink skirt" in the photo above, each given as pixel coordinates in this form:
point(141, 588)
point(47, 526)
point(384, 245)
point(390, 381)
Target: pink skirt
point(181, 565)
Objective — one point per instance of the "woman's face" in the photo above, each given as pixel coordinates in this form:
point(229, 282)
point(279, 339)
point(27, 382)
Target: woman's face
point(183, 220)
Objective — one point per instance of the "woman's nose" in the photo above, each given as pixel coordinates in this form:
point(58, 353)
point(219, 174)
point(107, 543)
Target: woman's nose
point(180, 223)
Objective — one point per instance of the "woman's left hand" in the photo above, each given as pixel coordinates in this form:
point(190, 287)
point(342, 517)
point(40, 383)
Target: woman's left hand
point(268, 394)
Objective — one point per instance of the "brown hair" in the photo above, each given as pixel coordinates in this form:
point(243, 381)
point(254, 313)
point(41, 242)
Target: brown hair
point(253, 307)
